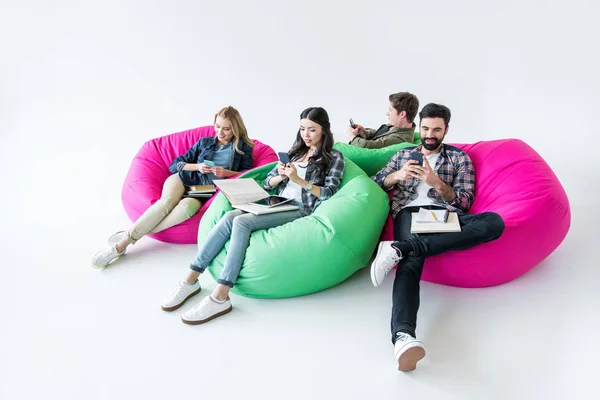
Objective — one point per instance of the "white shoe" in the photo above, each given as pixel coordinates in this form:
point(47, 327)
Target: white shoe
point(180, 295)
point(384, 261)
point(116, 237)
point(105, 256)
point(206, 310)
point(408, 351)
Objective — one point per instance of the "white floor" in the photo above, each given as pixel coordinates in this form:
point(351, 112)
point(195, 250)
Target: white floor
point(83, 85)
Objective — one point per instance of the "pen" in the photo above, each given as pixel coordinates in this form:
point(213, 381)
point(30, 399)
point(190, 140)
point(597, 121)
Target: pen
point(434, 217)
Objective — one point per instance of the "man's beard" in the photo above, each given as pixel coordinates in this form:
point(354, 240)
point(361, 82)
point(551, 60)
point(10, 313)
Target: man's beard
point(431, 145)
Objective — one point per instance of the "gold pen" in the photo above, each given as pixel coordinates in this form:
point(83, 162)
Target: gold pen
point(434, 217)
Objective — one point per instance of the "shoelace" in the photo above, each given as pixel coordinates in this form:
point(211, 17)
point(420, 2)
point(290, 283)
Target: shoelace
point(177, 291)
point(401, 336)
point(391, 260)
point(109, 251)
point(201, 306)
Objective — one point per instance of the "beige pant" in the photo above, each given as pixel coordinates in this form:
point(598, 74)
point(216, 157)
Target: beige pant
point(169, 211)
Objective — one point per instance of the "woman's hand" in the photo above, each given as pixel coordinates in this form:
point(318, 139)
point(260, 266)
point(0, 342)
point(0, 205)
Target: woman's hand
point(220, 172)
point(281, 169)
point(291, 172)
point(205, 169)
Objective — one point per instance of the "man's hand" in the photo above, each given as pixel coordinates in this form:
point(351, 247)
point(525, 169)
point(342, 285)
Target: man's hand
point(427, 174)
point(205, 169)
point(408, 170)
point(351, 133)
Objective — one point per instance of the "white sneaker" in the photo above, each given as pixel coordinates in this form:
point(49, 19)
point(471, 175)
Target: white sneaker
point(116, 237)
point(105, 256)
point(408, 351)
point(206, 310)
point(180, 295)
point(384, 261)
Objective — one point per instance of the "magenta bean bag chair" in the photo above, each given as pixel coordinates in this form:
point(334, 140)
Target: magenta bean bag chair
point(150, 168)
point(514, 181)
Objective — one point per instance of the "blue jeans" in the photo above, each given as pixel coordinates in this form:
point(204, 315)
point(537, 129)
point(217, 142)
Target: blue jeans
point(238, 225)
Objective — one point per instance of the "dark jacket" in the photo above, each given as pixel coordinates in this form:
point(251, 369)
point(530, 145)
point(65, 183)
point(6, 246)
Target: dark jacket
point(205, 149)
point(383, 137)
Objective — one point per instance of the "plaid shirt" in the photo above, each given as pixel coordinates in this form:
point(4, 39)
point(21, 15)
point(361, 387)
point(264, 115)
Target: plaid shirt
point(453, 166)
point(329, 181)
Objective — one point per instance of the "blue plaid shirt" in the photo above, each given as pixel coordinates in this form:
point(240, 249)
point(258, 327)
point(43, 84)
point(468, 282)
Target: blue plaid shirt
point(329, 181)
point(454, 167)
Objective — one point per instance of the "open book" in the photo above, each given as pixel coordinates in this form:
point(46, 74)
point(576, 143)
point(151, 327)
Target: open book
point(242, 192)
point(428, 224)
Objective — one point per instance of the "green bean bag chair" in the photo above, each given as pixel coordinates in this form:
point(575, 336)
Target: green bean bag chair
point(372, 160)
point(311, 253)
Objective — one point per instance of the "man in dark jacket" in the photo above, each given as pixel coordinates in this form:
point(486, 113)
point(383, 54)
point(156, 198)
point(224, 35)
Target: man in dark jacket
point(402, 110)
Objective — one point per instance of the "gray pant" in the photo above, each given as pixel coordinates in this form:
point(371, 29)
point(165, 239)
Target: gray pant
point(169, 211)
point(238, 225)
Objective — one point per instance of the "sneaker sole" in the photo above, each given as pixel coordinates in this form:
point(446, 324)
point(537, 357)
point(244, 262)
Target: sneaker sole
point(176, 306)
point(112, 240)
point(373, 280)
point(409, 359)
point(207, 319)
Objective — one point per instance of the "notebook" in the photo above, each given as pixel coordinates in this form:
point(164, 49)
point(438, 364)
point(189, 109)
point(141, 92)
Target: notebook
point(451, 225)
point(425, 215)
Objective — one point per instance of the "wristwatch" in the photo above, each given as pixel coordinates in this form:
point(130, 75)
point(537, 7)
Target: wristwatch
point(309, 186)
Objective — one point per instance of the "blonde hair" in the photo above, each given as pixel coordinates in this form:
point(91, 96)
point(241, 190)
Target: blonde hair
point(237, 126)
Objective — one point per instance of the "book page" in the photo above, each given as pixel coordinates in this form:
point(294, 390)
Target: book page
point(241, 191)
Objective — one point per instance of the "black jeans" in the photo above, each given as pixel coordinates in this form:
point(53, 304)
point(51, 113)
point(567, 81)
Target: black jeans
point(475, 229)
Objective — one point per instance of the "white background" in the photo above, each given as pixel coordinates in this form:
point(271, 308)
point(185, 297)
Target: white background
point(84, 84)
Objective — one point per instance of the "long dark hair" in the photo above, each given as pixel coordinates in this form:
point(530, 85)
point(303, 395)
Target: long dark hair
point(322, 158)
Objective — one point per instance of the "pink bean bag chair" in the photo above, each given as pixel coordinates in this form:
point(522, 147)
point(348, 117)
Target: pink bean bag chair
point(150, 168)
point(514, 181)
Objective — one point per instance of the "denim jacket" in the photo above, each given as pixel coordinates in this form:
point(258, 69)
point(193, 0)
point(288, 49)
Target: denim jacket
point(205, 149)
point(329, 181)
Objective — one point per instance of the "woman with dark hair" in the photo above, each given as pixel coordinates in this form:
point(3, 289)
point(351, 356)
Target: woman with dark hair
point(312, 176)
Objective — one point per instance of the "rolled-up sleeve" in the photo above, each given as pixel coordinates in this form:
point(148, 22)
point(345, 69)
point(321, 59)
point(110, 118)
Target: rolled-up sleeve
point(271, 174)
point(464, 184)
point(190, 157)
point(391, 167)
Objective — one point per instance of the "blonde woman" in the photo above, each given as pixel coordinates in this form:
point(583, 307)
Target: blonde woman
point(230, 150)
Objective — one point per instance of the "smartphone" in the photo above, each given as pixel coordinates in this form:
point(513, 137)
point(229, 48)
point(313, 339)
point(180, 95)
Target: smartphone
point(284, 157)
point(352, 123)
point(209, 163)
point(418, 156)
